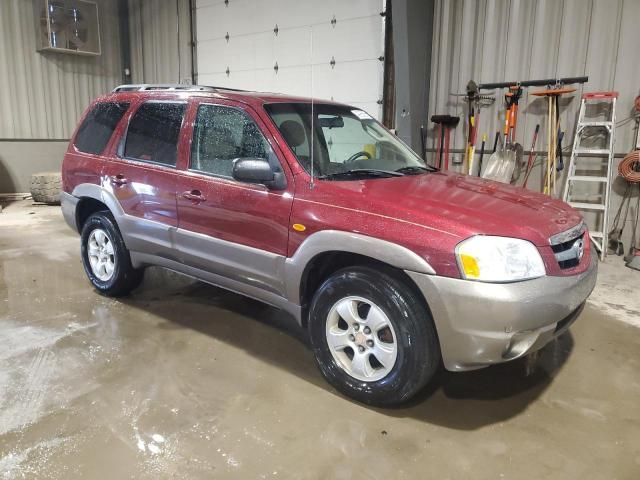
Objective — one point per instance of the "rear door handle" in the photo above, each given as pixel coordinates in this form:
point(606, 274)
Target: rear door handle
point(194, 195)
point(118, 179)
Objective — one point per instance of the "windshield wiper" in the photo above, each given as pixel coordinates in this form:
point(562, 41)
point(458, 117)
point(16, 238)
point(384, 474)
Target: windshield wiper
point(362, 172)
point(415, 169)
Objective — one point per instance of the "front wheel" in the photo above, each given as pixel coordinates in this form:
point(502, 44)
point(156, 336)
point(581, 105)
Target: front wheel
point(372, 336)
point(105, 257)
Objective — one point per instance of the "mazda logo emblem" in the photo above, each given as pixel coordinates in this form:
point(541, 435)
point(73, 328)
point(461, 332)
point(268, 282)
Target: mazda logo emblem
point(578, 248)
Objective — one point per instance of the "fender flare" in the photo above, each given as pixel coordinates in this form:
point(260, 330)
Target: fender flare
point(98, 192)
point(340, 241)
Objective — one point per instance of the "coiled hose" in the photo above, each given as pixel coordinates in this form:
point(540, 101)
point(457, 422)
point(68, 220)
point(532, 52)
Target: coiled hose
point(629, 167)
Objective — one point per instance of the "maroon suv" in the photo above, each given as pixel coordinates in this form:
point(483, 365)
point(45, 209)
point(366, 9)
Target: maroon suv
point(316, 208)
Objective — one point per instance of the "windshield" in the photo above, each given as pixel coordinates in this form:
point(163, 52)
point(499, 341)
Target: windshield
point(345, 139)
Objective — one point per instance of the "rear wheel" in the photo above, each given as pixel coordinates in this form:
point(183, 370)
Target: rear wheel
point(372, 336)
point(105, 257)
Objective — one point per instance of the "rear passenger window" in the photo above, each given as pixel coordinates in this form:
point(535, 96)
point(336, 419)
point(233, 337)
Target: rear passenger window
point(153, 133)
point(98, 126)
point(222, 134)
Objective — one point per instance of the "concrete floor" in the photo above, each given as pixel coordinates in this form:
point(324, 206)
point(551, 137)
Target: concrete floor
point(183, 380)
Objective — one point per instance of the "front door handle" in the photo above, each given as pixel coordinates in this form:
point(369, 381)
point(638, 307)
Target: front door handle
point(194, 195)
point(118, 179)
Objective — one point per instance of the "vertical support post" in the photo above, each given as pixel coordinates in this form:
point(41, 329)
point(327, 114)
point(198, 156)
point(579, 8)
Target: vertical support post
point(125, 40)
point(412, 41)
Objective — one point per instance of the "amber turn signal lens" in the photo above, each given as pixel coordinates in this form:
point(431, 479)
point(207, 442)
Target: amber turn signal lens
point(470, 266)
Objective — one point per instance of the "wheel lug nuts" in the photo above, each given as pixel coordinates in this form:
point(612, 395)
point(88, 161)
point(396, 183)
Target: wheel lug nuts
point(356, 327)
point(367, 330)
point(370, 343)
point(352, 337)
point(361, 349)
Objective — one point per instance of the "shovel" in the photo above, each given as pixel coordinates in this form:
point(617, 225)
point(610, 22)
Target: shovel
point(502, 162)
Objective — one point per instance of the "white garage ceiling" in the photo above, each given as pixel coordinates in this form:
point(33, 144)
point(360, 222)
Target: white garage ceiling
point(331, 49)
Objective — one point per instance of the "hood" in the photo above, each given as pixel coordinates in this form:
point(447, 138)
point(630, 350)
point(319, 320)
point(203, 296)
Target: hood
point(466, 205)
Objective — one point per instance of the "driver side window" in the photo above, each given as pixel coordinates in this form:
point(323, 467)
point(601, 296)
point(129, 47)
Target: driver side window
point(221, 135)
point(350, 139)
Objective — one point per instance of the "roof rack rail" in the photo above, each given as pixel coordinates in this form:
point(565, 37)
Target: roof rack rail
point(228, 88)
point(146, 87)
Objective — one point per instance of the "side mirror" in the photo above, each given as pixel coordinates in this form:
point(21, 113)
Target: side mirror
point(257, 170)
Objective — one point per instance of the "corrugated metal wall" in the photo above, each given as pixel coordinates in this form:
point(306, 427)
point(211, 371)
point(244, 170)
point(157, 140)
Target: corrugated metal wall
point(160, 41)
point(505, 40)
point(43, 94)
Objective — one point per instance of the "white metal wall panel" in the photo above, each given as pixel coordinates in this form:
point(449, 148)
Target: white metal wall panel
point(303, 48)
point(43, 94)
point(505, 40)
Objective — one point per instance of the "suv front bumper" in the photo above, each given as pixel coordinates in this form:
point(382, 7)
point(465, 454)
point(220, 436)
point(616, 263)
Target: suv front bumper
point(480, 323)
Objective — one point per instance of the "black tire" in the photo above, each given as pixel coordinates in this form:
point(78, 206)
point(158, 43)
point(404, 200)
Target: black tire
point(125, 278)
point(418, 350)
point(45, 187)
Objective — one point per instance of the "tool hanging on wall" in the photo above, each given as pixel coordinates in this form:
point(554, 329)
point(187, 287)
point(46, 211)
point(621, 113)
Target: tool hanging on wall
point(502, 163)
point(549, 83)
point(560, 136)
point(475, 102)
point(531, 159)
point(553, 95)
point(484, 141)
point(495, 143)
point(471, 139)
point(515, 94)
point(445, 124)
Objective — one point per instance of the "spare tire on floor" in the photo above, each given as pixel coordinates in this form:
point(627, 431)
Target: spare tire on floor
point(45, 187)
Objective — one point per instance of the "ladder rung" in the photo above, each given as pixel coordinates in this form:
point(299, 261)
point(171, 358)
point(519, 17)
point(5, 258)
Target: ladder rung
point(593, 151)
point(587, 178)
point(587, 206)
point(596, 234)
point(592, 95)
point(595, 124)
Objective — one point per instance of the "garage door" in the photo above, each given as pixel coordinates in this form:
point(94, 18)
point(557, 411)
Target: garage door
point(330, 49)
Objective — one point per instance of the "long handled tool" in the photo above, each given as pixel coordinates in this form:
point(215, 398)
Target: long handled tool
point(551, 169)
point(530, 160)
point(445, 124)
point(475, 103)
point(484, 140)
point(471, 129)
point(495, 142)
point(560, 136)
point(515, 94)
point(501, 163)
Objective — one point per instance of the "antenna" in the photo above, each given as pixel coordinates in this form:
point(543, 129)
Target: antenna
point(311, 185)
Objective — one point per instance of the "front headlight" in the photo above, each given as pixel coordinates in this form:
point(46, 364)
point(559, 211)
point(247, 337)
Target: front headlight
point(498, 259)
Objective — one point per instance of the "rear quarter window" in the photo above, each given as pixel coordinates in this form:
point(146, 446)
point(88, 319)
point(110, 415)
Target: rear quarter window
point(98, 126)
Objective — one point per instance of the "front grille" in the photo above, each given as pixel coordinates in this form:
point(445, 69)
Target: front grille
point(568, 247)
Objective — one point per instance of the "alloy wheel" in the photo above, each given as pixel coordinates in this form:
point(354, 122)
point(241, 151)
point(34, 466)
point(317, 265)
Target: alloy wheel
point(361, 339)
point(101, 255)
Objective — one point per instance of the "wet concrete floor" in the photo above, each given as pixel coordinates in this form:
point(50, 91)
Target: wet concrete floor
point(183, 380)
